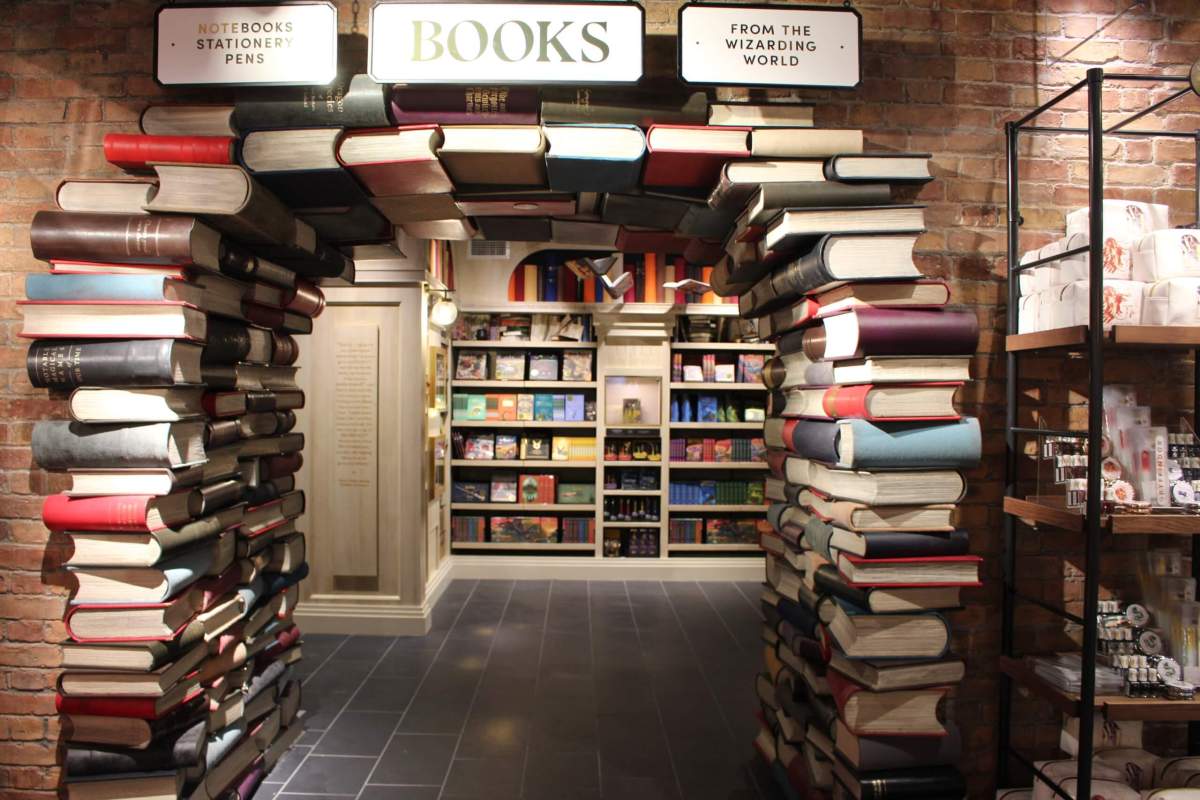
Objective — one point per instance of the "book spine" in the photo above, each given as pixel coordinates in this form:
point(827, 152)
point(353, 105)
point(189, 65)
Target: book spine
point(124, 238)
point(42, 286)
point(67, 365)
point(134, 151)
point(887, 331)
point(57, 444)
point(349, 102)
point(108, 513)
point(228, 342)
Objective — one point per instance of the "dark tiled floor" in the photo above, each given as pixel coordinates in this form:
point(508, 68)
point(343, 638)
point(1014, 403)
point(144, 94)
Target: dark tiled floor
point(539, 689)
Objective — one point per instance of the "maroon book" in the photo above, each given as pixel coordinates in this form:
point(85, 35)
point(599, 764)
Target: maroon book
point(467, 105)
point(869, 331)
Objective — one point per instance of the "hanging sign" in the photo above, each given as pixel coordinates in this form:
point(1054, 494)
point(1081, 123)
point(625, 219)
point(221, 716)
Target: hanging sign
point(506, 43)
point(769, 45)
point(275, 44)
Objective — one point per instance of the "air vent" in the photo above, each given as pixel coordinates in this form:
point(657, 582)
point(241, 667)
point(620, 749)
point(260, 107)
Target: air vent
point(488, 248)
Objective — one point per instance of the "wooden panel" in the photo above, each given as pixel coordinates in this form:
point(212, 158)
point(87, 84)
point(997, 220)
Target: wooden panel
point(355, 423)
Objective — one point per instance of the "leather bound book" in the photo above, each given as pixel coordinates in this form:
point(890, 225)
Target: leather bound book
point(395, 162)
point(908, 712)
point(863, 444)
point(138, 151)
point(178, 751)
point(125, 238)
point(641, 106)
point(663, 213)
point(143, 362)
point(466, 105)
point(134, 707)
point(350, 101)
point(229, 199)
point(515, 229)
point(864, 332)
point(134, 514)
point(922, 783)
point(58, 444)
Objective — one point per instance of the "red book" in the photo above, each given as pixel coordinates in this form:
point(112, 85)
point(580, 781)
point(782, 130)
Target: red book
point(279, 466)
point(516, 286)
point(132, 707)
point(803, 312)
point(691, 155)
point(589, 291)
point(138, 151)
point(631, 292)
point(568, 285)
point(94, 267)
point(129, 513)
point(651, 280)
point(910, 572)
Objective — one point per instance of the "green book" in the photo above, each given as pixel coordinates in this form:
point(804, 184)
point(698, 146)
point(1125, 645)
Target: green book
point(476, 406)
point(543, 407)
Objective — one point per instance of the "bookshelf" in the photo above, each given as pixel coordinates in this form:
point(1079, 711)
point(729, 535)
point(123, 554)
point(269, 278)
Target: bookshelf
point(624, 367)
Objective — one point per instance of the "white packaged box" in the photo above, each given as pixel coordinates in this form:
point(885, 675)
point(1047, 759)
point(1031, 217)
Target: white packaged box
point(1065, 306)
point(1177, 771)
point(1062, 772)
point(1165, 254)
point(1125, 221)
point(1027, 313)
point(1172, 302)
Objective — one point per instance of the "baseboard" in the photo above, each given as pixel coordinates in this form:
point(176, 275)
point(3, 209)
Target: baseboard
point(361, 619)
point(624, 569)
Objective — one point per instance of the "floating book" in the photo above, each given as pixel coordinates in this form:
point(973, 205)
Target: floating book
point(797, 369)
point(623, 106)
point(691, 155)
point(53, 319)
point(139, 152)
point(883, 403)
point(890, 294)
point(863, 635)
point(229, 199)
point(188, 120)
point(464, 105)
point(808, 142)
point(794, 228)
point(663, 213)
point(72, 445)
point(890, 167)
point(516, 204)
point(915, 572)
point(861, 444)
point(125, 239)
point(397, 161)
point(510, 155)
point(349, 101)
point(864, 332)
point(877, 488)
point(150, 362)
point(832, 262)
point(96, 195)
point(594, 158)
point(417, 207)
point(301, 167)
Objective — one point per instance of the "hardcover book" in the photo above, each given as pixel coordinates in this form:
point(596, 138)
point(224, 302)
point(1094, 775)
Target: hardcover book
point(464, 105)
point(594, 158)
point(691, 156)
point(396, 161)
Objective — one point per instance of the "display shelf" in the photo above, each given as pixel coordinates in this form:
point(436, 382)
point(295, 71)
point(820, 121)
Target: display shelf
point(716, 426)
point(1115, 707)
point(641, 524)
point(483, 423)
point(720, 387)
point(632, 492)
point(742, 347)
point(1059, 517)
point(758, 465)
point(522, 384)
point(1183, 337)
point(479, 344)
point(589, 508)
point(549, 546)
point(536, 463)
point(635, 464)
point(715, 508)
point(738, 547)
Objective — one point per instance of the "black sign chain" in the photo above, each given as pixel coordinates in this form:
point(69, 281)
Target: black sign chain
point(354, 17)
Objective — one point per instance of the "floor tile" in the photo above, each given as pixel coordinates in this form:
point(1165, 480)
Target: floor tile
point(550, 771)
point(384, 694)
point(495, 778)
point(372, 792)
point(328, 775)
point(286, 766)
point(358, 733)
point(415, 759)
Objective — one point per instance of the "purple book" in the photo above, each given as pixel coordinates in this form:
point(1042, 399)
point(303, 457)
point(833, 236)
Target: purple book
point(868, 331)
point(250, 782)
point(467, 105)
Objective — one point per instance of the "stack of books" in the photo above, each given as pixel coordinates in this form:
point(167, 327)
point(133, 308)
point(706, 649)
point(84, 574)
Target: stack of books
point(174, 336)
point(865, 449)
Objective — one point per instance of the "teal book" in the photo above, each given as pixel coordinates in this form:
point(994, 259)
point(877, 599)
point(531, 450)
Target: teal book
point(543, 407)
point(862, 444)
point(817, 534)
point(560, 408)
point(476, 408)
point(42, 286)
point(119, 585)
point(594, 158)
point(251, 593)
point(222, 741)
point(458, 406)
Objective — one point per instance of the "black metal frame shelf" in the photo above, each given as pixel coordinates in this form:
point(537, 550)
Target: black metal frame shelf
point(1089, 341)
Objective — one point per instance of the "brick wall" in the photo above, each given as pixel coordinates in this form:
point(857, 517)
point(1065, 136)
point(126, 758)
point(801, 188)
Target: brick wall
point(941, 76)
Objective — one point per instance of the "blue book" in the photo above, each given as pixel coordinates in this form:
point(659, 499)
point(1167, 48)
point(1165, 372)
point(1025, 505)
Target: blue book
point(543, 407)
point(574, 408)
point(144, 584)
point(594, 158)
point(43, 286)
point(861, 444)
point(222, 741)
point(706, 408)
point(550, 286)
point(250, 594)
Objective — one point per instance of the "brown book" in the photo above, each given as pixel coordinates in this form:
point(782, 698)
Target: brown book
point(132, 684)
point(511, 155)
point(125, 238)
point(229, 199)
point(119, 196)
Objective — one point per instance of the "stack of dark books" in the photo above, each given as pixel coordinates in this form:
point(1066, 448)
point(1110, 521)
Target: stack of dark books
point(171, 337)
point(865, 447)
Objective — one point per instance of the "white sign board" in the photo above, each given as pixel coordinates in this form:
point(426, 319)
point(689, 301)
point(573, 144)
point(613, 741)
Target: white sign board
point(755, 45)
point(506, 43)
point(246, 45)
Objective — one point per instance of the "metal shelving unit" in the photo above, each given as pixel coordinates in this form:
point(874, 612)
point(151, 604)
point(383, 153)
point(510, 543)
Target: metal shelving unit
point(1090, 341)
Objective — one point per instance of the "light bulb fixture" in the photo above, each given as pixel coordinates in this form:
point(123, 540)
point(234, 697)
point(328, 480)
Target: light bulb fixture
point(444, 311)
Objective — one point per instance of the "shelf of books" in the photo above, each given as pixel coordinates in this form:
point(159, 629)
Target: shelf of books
point(525, 478)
